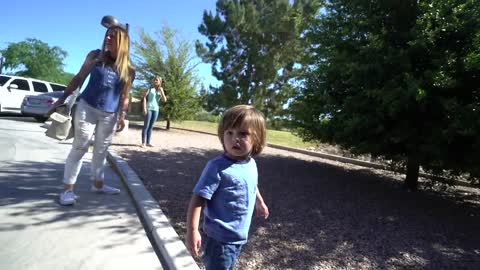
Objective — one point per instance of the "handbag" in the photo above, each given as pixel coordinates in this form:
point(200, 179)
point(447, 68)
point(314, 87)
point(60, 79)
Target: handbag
point(61, 127)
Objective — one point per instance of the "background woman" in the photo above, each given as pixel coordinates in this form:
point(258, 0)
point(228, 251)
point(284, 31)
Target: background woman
point(151, 108)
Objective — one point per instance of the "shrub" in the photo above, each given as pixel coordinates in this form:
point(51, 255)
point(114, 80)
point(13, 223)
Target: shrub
point(206, 117)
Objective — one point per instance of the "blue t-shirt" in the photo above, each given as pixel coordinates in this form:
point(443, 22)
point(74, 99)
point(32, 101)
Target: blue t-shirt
point(103, 89)
point(229, 187)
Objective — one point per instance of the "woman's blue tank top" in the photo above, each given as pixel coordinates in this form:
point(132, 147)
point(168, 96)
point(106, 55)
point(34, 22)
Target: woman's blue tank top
point(103, 89)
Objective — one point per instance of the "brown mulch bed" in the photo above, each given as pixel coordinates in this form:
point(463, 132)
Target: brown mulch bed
point(324, 214)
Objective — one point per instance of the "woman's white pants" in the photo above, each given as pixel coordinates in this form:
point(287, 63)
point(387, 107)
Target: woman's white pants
point(87, 122)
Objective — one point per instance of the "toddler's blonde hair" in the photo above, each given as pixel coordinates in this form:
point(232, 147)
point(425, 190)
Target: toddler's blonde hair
point(245, 116)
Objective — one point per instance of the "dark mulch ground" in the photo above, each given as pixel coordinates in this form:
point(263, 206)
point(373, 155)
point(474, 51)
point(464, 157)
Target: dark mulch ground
point(324, 214)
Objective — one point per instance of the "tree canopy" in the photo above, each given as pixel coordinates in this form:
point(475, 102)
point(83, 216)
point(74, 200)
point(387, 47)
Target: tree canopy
point(399, 80)
point(256, 49)
point(36, 59)
point(172, 58)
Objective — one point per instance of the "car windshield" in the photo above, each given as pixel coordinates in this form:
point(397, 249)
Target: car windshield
point(3, 79)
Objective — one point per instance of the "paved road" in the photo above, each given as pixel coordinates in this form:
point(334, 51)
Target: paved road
point(100, 232)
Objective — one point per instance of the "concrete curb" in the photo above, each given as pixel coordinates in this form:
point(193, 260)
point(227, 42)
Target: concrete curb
point(173, 252)
point(307, 152)
point(358, 162)
point(373, 165)
point(297, 150)
point(331, 157)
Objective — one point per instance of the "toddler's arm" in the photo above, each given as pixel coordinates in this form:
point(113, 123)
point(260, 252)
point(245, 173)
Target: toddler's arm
point(194, 240)
point(260, 206)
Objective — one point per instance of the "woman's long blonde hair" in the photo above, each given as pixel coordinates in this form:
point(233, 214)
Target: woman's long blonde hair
point(122, 62)
point(160, 79)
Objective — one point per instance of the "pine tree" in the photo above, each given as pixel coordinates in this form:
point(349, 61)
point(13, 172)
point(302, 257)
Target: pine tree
point(399, 80)
point(256, 49)
point(172, 59)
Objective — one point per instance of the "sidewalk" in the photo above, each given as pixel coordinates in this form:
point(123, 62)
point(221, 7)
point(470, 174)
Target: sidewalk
point(99, 232)
point(125, 231)
point(166, 241)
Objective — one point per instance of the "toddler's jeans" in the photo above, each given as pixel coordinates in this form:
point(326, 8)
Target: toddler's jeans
point(218, 255)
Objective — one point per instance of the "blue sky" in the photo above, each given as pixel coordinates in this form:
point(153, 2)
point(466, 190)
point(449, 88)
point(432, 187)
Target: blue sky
point(75, 26)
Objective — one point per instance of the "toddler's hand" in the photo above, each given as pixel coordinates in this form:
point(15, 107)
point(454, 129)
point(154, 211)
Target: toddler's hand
point(262, 210)
point(194, 242)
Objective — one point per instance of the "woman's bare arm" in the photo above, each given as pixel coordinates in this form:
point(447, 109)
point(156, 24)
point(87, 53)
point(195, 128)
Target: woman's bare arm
point(78, 79)
point(163, 97)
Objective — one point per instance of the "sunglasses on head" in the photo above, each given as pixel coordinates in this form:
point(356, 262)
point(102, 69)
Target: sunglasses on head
point(110, 21)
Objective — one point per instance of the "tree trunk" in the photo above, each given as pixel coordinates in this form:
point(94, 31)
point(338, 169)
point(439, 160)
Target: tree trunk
point(168, 124)
point(411, 180)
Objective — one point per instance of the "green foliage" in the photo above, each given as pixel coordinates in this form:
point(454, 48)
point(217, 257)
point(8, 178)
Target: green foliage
point(172, 59)
point(207, 117)
point(36, 59)
point(257, 49)
point(284, 138)
point(397, 79)
point(64, 78)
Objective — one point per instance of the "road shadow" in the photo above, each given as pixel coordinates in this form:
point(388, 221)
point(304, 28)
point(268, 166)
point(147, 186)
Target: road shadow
point(17, 117)
point(327, 217)
point(29, 201)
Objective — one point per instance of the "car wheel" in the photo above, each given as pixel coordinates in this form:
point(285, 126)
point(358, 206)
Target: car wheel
point(41, 119)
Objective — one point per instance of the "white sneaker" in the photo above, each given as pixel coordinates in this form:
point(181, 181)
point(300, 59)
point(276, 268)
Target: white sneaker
point(67, 198)
point(105, 189)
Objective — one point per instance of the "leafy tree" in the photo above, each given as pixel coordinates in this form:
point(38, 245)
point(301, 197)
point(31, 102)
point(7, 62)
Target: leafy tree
point(256, 49)
point(36, 59)
point(399, 80)
point(2, 59)
point(173, 59)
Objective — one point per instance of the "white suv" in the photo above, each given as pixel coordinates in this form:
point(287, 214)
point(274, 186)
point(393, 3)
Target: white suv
point(14, 88)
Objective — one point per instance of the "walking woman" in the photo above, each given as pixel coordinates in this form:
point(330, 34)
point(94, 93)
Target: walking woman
point(151, 108)
point(101, 109)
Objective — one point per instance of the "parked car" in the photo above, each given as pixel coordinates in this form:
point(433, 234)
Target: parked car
point(13, 90)
point(38, 106)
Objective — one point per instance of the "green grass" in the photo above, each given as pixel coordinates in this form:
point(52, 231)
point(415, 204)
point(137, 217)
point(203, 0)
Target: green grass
point(197, 125)
point(283, 138)
point(286, 138)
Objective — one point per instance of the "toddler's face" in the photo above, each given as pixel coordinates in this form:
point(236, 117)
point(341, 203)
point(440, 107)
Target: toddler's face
point(238, 143)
